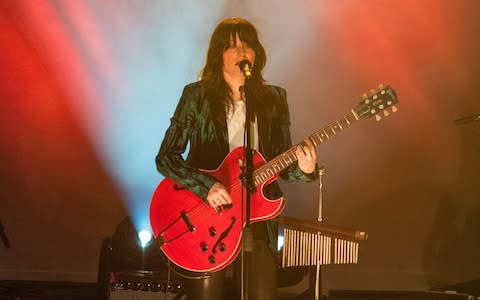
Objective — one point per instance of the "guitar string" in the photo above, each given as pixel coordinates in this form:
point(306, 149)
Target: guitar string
point(200, 213)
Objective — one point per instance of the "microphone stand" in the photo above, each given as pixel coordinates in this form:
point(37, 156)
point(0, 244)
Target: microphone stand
point(247, 176)
point(318, 274)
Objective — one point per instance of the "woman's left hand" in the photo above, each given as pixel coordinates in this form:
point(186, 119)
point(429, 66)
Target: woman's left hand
point(307, 156)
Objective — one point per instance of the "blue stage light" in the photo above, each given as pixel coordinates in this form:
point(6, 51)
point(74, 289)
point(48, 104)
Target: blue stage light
point(145, 238)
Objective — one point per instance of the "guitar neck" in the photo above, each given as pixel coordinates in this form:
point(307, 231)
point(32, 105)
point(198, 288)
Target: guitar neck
point(284, 160)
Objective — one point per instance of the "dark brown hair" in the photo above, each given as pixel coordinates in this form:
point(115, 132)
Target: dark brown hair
point(212, 73)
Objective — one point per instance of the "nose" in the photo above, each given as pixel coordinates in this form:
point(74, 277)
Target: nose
point(242, 50)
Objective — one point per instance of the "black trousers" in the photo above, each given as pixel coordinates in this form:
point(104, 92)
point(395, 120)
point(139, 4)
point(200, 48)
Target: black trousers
point(260, 268)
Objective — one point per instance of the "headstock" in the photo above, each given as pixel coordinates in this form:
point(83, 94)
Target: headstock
point(378, 101)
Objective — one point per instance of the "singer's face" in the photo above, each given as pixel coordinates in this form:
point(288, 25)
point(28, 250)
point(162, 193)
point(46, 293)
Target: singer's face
point(234, 54)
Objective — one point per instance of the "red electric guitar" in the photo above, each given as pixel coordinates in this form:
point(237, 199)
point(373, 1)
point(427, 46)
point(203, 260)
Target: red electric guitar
point(196, 237)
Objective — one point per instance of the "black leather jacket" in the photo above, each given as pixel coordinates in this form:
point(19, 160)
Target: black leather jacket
point(193, 123)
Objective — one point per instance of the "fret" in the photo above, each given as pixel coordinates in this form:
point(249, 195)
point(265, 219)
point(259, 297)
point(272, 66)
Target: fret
point(346, 123)
point(265, 174)
point(339, 125)
point(332, 129)
point(288, 160)
point(262, 175)
point(269, 172)
point(274, 171)
point(276, 168)
point(272, 165)
point(324, 133)
point(354, 115)
point(346, 120)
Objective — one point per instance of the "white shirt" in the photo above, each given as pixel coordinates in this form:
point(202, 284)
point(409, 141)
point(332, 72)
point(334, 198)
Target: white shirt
point(236, 124)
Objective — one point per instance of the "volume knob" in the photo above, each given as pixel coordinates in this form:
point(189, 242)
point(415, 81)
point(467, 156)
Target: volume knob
point(212, 231)
point(211, 259)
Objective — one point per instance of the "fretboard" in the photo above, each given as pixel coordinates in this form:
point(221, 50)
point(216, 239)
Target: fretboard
point(282, 161)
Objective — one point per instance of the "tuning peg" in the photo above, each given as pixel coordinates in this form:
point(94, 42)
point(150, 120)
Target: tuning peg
point(394, 108)
point(372, 91)
point(378, 117)
point(380, 86)
point(364, 96)
point(386, 113)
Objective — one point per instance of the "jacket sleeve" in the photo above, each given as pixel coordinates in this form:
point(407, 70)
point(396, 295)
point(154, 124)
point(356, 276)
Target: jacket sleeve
point(169, 160)
point(281, 134)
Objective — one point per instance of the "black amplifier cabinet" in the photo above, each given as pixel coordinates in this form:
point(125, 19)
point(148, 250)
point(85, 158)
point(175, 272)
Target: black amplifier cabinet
point(144, 285)
point(128, 271)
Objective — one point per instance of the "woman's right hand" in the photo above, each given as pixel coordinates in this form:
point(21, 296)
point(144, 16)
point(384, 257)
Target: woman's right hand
point(218, 196)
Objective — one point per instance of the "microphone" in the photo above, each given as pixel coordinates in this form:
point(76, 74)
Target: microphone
point(246, 68)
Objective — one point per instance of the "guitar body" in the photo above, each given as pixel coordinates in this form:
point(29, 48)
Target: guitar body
point(195, 236)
